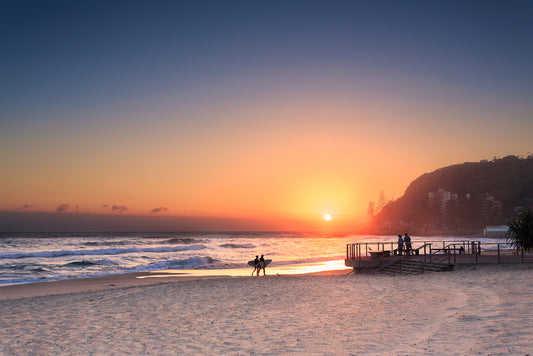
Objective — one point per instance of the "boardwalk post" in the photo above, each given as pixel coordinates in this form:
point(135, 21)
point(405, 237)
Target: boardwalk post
point(498, 253)
point(359, 253)
point(454, 255)
point(522, 254)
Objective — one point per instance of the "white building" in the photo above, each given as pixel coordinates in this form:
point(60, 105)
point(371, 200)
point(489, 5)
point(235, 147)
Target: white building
point(495, 231)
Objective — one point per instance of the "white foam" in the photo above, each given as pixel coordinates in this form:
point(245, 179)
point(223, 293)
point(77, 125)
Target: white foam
point(104, 251)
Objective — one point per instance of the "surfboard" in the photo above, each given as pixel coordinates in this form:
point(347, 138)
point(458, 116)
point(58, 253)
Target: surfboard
point(267, 262)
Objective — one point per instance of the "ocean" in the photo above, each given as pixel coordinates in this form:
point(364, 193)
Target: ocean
point(33, 257)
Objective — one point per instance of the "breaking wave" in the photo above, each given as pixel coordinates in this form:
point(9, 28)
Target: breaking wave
point(105, 251)
point(182, 241)
point(191, 262)
point(238, 245)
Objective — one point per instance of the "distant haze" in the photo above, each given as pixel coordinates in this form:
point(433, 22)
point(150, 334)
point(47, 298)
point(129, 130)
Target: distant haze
point(56, 222)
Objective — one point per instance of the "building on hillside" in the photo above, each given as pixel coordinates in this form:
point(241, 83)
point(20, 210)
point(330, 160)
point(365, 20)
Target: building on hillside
point(491, 209)
point(495, 231)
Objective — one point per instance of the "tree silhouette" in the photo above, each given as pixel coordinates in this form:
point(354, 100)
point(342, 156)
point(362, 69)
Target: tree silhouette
point(382, 201)
point(520, 233)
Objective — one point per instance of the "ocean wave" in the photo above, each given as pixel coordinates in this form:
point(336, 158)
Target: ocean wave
point(14, 267)
point(191, 262)
point(103, 251)
point(80, 264)
point(182, 241)
point(106, 243)
point(238, 245)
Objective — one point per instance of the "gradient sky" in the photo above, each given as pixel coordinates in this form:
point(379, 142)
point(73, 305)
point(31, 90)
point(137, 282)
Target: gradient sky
point(248, 109)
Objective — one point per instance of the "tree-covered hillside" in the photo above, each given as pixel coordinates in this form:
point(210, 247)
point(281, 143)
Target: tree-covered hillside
point(460, 199)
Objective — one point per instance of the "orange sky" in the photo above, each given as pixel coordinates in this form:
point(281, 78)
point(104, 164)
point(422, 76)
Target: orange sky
point(166, 114)
point(268, 162)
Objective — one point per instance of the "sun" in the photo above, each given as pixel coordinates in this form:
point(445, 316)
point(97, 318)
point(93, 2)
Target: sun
point(327, 217)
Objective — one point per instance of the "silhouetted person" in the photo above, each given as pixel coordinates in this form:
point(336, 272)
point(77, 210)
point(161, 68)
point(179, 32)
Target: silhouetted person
point(408, 246)
point(400, 245)
point(256, 265)
point(262, 265)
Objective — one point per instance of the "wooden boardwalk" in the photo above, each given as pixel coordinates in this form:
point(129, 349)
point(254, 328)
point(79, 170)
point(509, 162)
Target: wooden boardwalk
point(430, 256)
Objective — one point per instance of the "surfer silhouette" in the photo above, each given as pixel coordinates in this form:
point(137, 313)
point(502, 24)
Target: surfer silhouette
point(262, 265)
point(256, 265)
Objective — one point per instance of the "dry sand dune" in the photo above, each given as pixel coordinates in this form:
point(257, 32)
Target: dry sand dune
point(485, 310)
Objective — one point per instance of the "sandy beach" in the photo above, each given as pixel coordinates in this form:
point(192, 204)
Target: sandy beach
point(485, 310)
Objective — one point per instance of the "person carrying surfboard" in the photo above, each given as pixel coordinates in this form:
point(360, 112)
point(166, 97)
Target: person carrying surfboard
point(262, 265)
point(256, 265)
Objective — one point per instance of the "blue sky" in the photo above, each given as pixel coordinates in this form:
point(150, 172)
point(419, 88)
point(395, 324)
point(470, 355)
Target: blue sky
point(61, 54)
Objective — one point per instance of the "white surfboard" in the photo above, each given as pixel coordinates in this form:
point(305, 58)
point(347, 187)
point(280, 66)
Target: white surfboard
point(252, 263)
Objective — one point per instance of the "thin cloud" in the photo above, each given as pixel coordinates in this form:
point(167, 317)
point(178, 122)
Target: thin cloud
point(63, 208)
point(161, 209)
point(67, 208)
point(25, 206)
point(119, 209)
point(105, 206)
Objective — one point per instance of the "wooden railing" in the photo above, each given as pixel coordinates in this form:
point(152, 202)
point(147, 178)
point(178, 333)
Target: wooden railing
point(438, 251)
point(363, 249)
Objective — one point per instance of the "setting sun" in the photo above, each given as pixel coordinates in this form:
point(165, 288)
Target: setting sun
point(327, 217)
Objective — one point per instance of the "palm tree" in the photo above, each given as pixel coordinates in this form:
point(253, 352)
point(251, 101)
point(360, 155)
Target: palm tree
point(520, 230)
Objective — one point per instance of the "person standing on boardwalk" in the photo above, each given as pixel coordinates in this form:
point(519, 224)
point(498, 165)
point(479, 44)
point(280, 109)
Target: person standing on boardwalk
point(408, 246)
point(400, 245)
point(262, 265)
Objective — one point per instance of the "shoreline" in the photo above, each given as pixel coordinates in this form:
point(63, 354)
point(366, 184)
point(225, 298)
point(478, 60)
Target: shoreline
point(135, 279)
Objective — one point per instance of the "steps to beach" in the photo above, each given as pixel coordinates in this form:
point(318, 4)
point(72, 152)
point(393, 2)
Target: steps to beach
point(404, 267)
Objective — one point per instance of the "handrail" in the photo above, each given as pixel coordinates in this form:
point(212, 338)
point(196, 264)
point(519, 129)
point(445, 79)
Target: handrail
point(363, 249)
point(362, 255)
point(429, 249)
point(423, 246)
point(473, 247)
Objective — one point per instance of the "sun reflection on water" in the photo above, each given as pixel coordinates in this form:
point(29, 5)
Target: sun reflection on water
point(303, 268)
